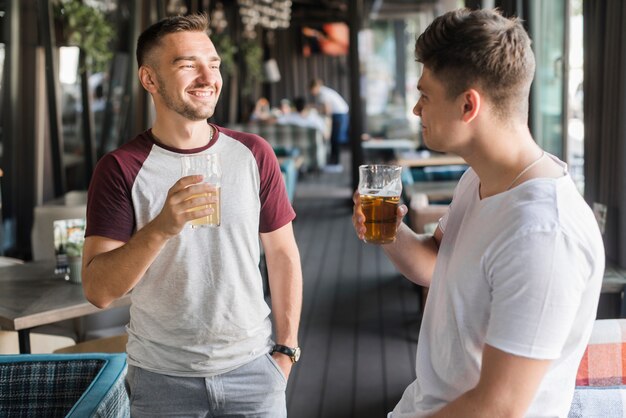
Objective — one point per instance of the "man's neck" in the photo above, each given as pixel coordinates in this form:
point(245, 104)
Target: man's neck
point(186, 135)
point(498, 155)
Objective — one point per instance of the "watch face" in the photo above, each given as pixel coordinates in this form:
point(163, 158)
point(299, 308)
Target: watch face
point(296, 354)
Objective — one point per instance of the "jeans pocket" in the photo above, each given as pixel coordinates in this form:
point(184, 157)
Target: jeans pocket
point(130, 382)
point(276, 368)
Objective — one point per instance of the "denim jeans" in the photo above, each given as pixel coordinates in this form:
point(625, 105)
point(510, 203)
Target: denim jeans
point(255, 390)
point(338, 135)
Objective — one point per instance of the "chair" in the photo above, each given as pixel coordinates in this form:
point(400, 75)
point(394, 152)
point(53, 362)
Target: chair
point(601, 378)
point(64, 385)
point(288, 161)
point(423, 214)
point(437, 182)
point(309, 141)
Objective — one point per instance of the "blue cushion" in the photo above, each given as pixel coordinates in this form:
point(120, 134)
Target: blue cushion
point(598, 402)
point(290, 175)
point(64, 385)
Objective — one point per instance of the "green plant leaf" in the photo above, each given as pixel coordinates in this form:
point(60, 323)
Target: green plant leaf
point(87, 28)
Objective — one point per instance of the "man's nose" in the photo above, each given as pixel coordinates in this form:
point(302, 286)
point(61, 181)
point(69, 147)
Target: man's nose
point(208, 75)
point(417, 109)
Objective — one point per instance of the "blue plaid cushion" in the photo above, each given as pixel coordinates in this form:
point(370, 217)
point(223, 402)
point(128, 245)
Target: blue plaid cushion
point(44, 388)
point(63, 385)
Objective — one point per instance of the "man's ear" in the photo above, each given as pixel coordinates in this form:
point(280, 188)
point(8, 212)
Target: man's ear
point(147, 77)
point(471, 105)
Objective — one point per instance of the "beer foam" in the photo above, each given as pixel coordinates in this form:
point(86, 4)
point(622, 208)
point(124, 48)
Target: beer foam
point(379, 192)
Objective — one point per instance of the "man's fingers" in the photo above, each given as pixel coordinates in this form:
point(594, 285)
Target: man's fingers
point(187, 181)
point(198, 200)
point(401, 212)
point(358, 219)
point(180, 195)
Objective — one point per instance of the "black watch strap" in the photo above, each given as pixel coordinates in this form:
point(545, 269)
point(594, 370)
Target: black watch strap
point(292, 353)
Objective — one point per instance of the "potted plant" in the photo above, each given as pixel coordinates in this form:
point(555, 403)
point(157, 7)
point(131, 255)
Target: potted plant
point(74, 251)
point(85, 26)
point(253, 60)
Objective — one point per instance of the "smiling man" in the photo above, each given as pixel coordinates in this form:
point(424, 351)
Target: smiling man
point(515, 266)
point(200, 341)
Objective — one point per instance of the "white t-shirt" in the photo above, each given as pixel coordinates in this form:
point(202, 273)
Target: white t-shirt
point(332, 99)
point(520, 271)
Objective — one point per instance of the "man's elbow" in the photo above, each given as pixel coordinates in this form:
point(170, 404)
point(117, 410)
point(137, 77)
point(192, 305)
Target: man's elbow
point(98, 302)
point(96, 298)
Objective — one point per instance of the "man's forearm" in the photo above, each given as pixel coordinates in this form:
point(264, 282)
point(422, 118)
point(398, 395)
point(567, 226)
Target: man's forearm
point(472, 405)
point(467, 405)
point(111, 274)
point(414, 255)
point(285, 280)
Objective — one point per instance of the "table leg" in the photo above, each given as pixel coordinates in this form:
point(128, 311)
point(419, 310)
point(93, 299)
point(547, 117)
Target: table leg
point(23, 336)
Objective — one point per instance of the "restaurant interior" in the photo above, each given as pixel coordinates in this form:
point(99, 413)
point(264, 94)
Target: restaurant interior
point(70, 94)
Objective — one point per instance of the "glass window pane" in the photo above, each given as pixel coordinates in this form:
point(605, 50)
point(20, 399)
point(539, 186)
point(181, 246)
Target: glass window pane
point(575, 125)
point(547, 32)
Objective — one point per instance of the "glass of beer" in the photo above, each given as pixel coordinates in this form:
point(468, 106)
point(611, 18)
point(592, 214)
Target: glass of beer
point(209, 166)
point(380, 187)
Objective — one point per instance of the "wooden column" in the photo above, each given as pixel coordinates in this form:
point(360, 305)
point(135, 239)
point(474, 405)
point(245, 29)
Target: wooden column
point(46, 25)
point(355, 20)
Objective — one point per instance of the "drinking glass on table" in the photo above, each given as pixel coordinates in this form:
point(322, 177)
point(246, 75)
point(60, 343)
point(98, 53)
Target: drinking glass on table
point(380, 187)
point(208, 165)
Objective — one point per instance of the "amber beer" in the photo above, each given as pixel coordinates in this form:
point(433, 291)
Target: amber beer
point(209, 166)
point(380, 187)
point(380, 217)
point(212, 219)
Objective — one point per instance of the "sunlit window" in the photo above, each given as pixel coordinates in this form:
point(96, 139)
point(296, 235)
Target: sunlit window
point(575, 124)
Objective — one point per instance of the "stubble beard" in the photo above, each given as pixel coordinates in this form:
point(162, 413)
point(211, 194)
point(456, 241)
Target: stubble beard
point(185, 109)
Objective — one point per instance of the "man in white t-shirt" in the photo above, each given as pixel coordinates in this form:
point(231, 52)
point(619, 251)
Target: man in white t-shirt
point(332, 104)
point(515, 266)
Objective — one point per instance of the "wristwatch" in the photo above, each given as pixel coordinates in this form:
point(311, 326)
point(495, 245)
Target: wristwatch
point(293, 353)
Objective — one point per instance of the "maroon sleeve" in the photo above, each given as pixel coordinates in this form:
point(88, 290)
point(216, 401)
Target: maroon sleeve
point(276, 210)
point(110, 211)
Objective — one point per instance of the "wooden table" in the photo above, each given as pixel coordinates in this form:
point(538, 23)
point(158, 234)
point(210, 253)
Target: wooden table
point(32, 295)
point(430, 161)
point(397, 145)
point(385, 150)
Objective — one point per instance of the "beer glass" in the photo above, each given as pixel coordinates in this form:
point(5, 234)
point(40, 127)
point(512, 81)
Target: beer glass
point(209, 166)
point(380, 187)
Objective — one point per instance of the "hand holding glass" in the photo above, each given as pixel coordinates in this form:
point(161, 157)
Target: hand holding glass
point(380, 187)
point(208, 165)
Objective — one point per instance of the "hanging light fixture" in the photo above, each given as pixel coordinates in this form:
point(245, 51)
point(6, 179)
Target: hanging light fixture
point(269, 14)
point(218, 19)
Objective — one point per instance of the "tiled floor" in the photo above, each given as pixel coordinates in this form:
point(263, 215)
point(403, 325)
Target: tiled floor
point(360, 318)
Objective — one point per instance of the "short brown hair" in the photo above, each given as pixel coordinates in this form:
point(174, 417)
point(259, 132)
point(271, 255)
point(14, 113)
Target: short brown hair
point(151, 37)
point(480, 47)
point(316, 82)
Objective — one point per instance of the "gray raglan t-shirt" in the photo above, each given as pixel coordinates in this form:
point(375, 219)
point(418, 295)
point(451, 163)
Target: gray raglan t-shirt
point(199, 310)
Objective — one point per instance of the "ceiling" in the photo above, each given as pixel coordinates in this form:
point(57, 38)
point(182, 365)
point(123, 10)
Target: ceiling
point(310, 11)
